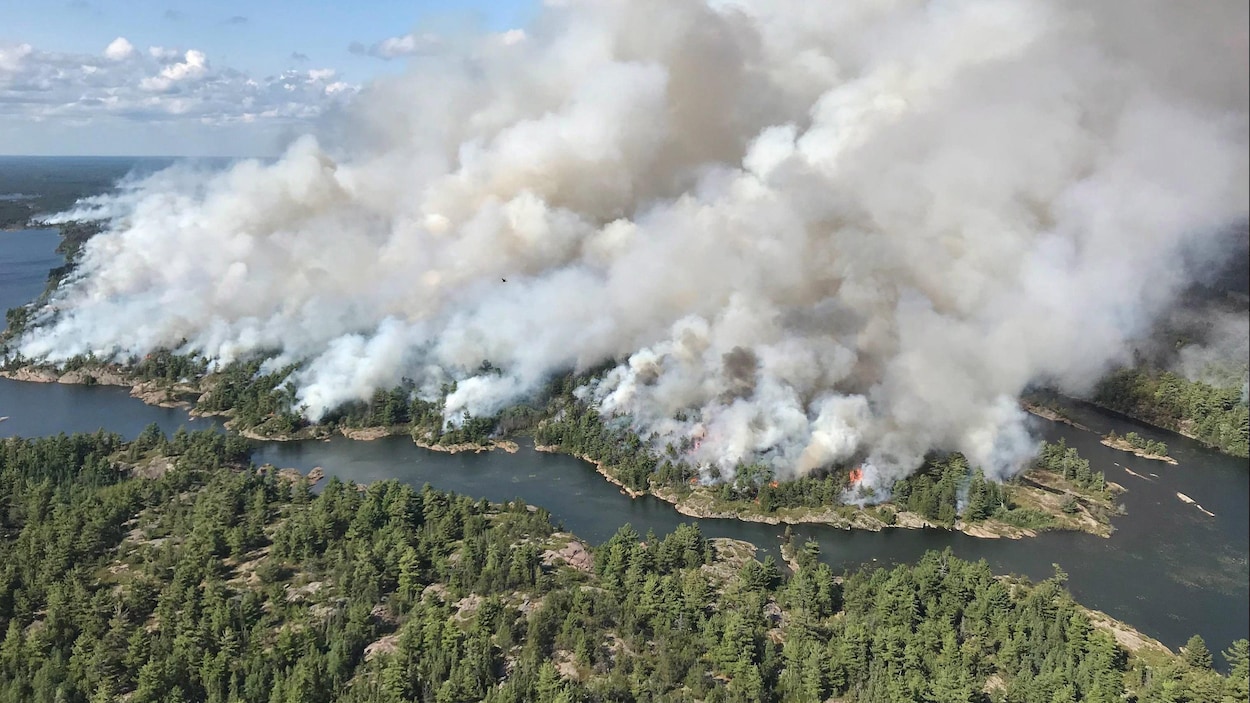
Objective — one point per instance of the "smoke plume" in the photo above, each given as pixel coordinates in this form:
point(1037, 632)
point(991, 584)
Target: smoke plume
point(1208, 342)
point(809, 233)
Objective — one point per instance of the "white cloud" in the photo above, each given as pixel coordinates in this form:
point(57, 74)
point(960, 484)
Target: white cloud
point(194, 66)
point(160, 85)
point(161, 53)
point(395, 47)
point(11, 56)
point(512, 36)
point(119, 49)
point(428, 43)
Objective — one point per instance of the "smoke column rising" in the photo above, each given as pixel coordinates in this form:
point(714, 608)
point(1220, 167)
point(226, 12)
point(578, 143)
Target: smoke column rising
point(815, 232)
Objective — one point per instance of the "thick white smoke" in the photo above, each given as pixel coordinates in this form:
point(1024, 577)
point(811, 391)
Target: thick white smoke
point(1223, 349)
point(814, 232)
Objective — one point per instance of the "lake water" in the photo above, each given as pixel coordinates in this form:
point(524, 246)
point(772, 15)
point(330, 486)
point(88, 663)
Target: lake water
point(1169, 569)
point(26, 256)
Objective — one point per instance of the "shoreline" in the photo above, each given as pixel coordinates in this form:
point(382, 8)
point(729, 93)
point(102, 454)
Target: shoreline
point(1178, 430)
point(151, 393)
point(1050, 414)
point(1123, 445)
point(600, 468)
point(505, 445)
point(829, 516)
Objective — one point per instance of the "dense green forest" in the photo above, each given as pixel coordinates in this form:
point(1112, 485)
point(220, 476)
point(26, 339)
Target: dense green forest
point(170, 570)
point(1217, 417)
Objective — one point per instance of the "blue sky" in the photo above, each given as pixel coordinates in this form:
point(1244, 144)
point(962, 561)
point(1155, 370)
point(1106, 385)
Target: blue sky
point(223, 78)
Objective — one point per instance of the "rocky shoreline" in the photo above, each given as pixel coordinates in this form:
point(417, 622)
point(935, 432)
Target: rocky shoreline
point(1123, 445)
point(828, 516)
point(1050, 414)
point(368, 434)
point(149, 392)
point(502, 444)
point(600, 467)
point(181, 396)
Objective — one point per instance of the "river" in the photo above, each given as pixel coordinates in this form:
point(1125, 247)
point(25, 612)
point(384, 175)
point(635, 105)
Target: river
point(1169, 569)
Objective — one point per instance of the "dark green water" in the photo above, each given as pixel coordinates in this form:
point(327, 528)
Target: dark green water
point(1169, 569)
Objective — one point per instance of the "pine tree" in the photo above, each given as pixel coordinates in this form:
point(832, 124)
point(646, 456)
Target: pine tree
point(1237, 687)
point(1196, 653)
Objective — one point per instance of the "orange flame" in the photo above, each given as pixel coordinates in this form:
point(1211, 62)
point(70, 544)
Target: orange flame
point(857, 474)
point(773, 484)
point(694, 481)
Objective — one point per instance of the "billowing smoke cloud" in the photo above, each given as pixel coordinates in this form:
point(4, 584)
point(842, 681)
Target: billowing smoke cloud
point(1212, 344)
point(810, 233)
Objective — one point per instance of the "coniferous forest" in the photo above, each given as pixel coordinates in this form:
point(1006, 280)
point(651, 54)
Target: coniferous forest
point(170, 569)
point(1217, 417)
point(809, 266)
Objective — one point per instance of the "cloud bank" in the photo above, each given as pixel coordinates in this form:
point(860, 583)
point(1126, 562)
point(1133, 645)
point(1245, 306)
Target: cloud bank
point(154, 85)
point(807, 233)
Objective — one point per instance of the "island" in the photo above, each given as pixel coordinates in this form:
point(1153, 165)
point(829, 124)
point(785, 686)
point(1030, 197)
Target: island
point(1139, 446)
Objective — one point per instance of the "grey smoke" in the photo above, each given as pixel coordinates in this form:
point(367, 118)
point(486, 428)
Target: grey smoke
point(819, 232)
point(740, 366)
point(1218, 352)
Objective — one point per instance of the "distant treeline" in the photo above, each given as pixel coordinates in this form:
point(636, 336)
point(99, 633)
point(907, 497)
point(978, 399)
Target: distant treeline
point(1217, 417)
point(38, 186)
point(211, 581)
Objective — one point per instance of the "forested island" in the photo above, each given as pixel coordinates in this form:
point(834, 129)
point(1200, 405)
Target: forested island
point(1138, 446)
point(171, 569)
